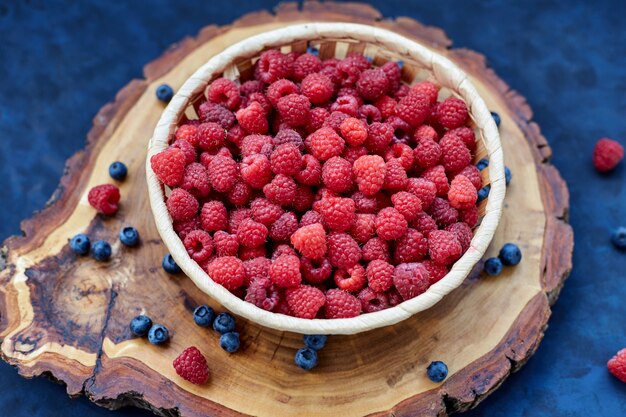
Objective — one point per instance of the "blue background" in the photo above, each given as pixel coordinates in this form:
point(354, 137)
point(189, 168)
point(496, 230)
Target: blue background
point(60, 61)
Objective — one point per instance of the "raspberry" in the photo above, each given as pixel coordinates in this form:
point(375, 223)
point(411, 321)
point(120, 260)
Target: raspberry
point(257, 144)
point(401, 92)
point(437, 175)
point(338, 212)
point(411, 247)
point(466, 134)
point(369, 114)
point(253, 118)
point(225, 92)
point(280, 89)
point(310, 217)
point(252, 86)
point(317, 118)
point(343, 251)
point(256, 269)
point(435, 271)
point(402, 153)
point(105, 198)
point(211, 136)
point(284, 227)
point(310, 171)
point(318, 88)
point(305, 65)
point(294, 109)
point(462, 194)
point(214, 113)
point(223, 173)
point(192, 366)
point(387, 106)
point(364, 204)
point(394, 76)
point(442, 212)
point(310, 241)
point(315, 271)
point(430, 90)
point(376, 248)
point(452, 113)
point(262, 292)
point(329, 69)
point(390, 224)
point(394, 297)
point(240, 194)
point(414, 108)
point(402, 131)
point(469, 216)
point(325, 143)
point(454, 154)
point(225, 244)
point(236, 217)
point(395, 176)
point(335, 119)
point(364, 227)
point(281, 190)
point(283, 249)
point(372, 301)
point(372, 84)
point(407, 204)
point(340, 304)
point(251, 234)
point(246, 253)
point(256, 170)
point(443, 247)
point(351, 279)
point(265, 212)
point(379, 136)
point(286, 159)
point(337, 174)
point(425, 132)
point(424, 224)
point(199, 245)
point(305, 301)
point(607, 154)
point(379, 275)
point(236, 134)
point(354, 131)
point(427, 153)
point(227, 271)
point(259, 98)
point(463, 234)
point(181, 205)
point(196, 180)
point(348, 72)
point(187, 148)
point(351, 154)
point(347, 104)
point(285, 271)
point(410, 279)
point(183, 228)
point(169, 166)
point(271, 66)
point(303, 199)
point(617, 365)
point(213, 216)
point(473, 174)
point(369, 172)
point(187, 133)
point(288, 136)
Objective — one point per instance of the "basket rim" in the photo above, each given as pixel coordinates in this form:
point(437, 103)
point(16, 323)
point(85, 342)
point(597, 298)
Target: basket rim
point(448, 75)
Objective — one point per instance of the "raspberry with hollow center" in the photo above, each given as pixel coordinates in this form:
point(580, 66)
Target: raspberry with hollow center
point(340, 304)
point(325, 143)
point(228, 271)
point(410, 279)
point(402, 153)
point(281, 190)
point(199, 245)
point(351, 279)
point(225, 92)
point(285, 271)
point(443, 247)
point(305, 301)
point(368, 114)
point(379, 275)
point(180, 204)
point(462, 194)
point(343, 251)
point(452, 112)
point(169, 166)
point(251, 234)
point(310, 241)
point(390, 224)
point(262, 292)
point(354, 131)
point(338, 213)
point(105, 198)
point(310, 171)
point(372, 301)
point(280, 89)
point(213, 216)
point(370, 172)
point(315, 271)
point(337, 174)
point(272, 66)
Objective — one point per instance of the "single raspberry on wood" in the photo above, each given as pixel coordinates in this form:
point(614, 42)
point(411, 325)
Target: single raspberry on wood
point(213, 216)
point(318, 88)
point(414, 108)
point(223, 173)
point(412, 247)
point(169, 166)
point(462, 194)
point(325, 143)
point(443, 247)
point(211, 136)
point(256, 170)
point(337, 174)
point(305, 301)
point(196, 180)
point(192, 366)
point(452, 112)
point(340, 304)
point(262, 292)
point(379, 275)
point(227, 271)
point(253, 118)
point(410, 279)
point(442, 212)
point(294, 109)
point(284, 227)
point(376, 248)
point(251, 234)
point(256, 269)
point(372, 301)
point(338, 213)
point(281, 190)
point(463, 234)
point(310, 241)
point(225, 243)
point(390, 224)
point(437, 175)
point(304, 65)
point(370, 172)
point(607, 154)
point(285, 271)
point(105, 198)
point(354, 131)
point(214, 113)
point(364, 227)
point(351, 279)
point(372, 84)
point(343, 251)
point(225, 92)
point(187, 148)
point(315, 271)
point(199, 245)
point(408, 204)
point(454, 154)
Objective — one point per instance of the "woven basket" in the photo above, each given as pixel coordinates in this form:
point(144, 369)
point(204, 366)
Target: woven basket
point(335, 40)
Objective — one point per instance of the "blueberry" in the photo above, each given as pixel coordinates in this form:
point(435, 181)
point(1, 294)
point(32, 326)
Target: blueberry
point(315, 341)
point(170, 265)
point(224, 323)
point(118, 171)
point(510, 254)
point(313, 51)
point(618, 238)
point(400, 64)
point(203, 315)
point(437, 371)
point(80, 244)
point(129, 236)
point(230, 342)
point(493, 266)
point(101, 250)
point(306, 358)
point(482, 164)
point(507, 175)
point(496, 118)
point(158, 334)
point(140, 325)
point(484, 193)
point(164, 93)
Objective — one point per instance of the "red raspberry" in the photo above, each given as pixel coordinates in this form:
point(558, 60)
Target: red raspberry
point(303, 199)
point(196, 180)
point(402, 131)
point(394, 297)
point(262, 292)
point(376, 248)
point(348, 72)
point(225, 244)
point(251, 86)
point(370, 172)
point(462, 194)
point(435, 271)
point(437, 175)
point(372, 84)
point(394, 76)
point(225, 92)
point(473, 174)
point(411, 247)
point(105, 198)
point(325, 143)
point(337, 174)
point(354, 131)
point(259, 98)
point(251, 234)
point(211, 136)
point(414, 108)
point(284, 227)
point(343, 251)
point(310, 241)
point(425, 132)
point(256, 170)
point(199, 245)
point(395, 176)
point(257, 144)
point(443, 247)
point(280, 89)
point(236, 134)
point(294, 109)
point(310, 217)
point(338, 212)
point(286, 159)
point(340, 304)
point(288, 136)
point(214, 113)
point(228, 271)
point(180, 204)
point(427, 153)
point(236, 217)
point(246, 253)
point(187, 133)
point(317, 118)
point(442, 212)
point(401, 92)
point(285, 271)
point(347, 104)
point(305, 65)
point(253, 118)
point(281, 190)
point(282, 307)
point(390, 224)
point(283, 249)
point(452, 113)
point(265, 212)
point(379, 136)
point(364, 227)
point(271, 66)
point(424, 224)
point(318, 88)
point(256, 269)
point(469, 216)
point(617, 365)
point(387, 106)
point(169, 166)
point(351, 279)
point(410, 279)
point(335, 119)
point(368, 113)
point(191, 366)
point(315, 271)
point(607, 154)
point(424, 189)
point(428, 89)
point(223, 173)
point(402, 153)
point(454, 154)
point(379, 275)
point(466, 134)
point(463, 234)
point(407, 204)
point(351, 154)
point(240, 194)
point(188, 150)
point(213, 216)
point(372, 301)
point(305, 301)
point(183, 228)
point(310, 171)
point(365, 204)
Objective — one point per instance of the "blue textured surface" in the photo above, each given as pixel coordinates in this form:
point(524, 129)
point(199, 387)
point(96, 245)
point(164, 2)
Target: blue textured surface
point(62, 60)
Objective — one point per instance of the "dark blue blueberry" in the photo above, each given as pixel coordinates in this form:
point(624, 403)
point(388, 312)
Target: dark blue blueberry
point(80, 244)
point(158, 334)
point(129, 236)
point(618, 238)
point(230, 342)
point(496, 118)
point(482, 164)
point(369, 59)
point(101, 250)
point(313, 51)
point(400, 64)
point(118, 171)
point(507, 175)
point(306, 358)
point(510, 254)
point(224, 323)
point(437, 371)
point(484, 193)
point(493, 266)
point(169, 265)
point(315, 341)
point(203, 315)
point(140, 325)
point(164, 93)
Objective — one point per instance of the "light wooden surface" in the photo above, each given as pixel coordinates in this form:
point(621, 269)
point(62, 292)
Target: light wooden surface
point(68, 317)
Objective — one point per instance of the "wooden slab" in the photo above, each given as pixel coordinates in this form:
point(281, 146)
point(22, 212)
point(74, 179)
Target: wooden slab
point(68, 318)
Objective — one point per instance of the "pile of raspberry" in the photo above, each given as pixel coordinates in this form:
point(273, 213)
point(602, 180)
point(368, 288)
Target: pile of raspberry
point(323, 189)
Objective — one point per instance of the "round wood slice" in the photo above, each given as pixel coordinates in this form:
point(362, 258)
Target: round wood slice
point(67, 317)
